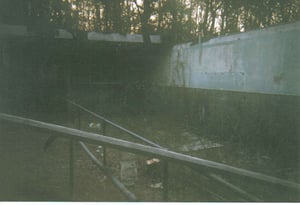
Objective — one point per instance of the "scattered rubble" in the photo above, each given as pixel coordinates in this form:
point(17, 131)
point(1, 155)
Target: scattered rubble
point(99, 150)
point(152, 161)
point(128, 172)
point(94, 125)
point(197, 143)
point(158, 185)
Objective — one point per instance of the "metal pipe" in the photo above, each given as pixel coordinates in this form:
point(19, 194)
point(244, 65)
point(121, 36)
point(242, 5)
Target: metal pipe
point(165, 181)
point(115, 125)
point(233, 187)
point(165, 169)
point(104, 121)
point(147, 150)
point(71, 169)
point(104, 147)
point(79, 118)
point(107, 172)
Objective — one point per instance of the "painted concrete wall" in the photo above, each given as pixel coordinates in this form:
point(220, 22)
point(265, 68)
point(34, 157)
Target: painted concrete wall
point(260, 61)
point(244, 88)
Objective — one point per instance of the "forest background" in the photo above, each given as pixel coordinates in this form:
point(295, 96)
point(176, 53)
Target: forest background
point(176, 21)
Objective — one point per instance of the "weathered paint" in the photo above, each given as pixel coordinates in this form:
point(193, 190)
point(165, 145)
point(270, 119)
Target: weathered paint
point(260, 61)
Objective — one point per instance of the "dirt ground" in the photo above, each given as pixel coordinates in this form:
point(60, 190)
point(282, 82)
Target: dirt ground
point(29, 173)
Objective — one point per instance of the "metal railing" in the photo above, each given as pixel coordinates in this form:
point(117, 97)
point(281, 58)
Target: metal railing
point(123, 145)
point(165, 177)
point(133, 134)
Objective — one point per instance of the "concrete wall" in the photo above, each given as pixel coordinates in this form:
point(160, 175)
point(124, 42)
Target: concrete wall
point(242, 88)
point(260, 61)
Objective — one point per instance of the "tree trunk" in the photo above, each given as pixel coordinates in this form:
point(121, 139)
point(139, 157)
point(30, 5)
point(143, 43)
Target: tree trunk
point(144, 20)
point(204, 25)
point(97, 24)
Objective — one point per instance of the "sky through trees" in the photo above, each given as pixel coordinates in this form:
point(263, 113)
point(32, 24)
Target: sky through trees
point(175, 20)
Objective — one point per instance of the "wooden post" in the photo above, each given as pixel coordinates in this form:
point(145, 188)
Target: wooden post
point(104, 147)
point(71, 168)
point(165, 181)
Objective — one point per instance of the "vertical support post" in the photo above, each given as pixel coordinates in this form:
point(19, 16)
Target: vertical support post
point(71, 167)
point(165, 181)
point(104, 147)
point(79, 119)
point(71, 162)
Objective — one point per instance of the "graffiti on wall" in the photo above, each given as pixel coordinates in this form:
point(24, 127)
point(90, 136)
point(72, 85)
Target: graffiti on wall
point(260, 61)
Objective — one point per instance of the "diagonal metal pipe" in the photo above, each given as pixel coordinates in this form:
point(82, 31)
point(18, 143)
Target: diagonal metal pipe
point(148, 150)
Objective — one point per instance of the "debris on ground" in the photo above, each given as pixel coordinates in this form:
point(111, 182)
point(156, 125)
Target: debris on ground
point(153, 167)
point(158, 185)
point(189, 136)
point(96, 126)
point(99, 150)
point(197, 143)
point(128, 171)
point(152, 161)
